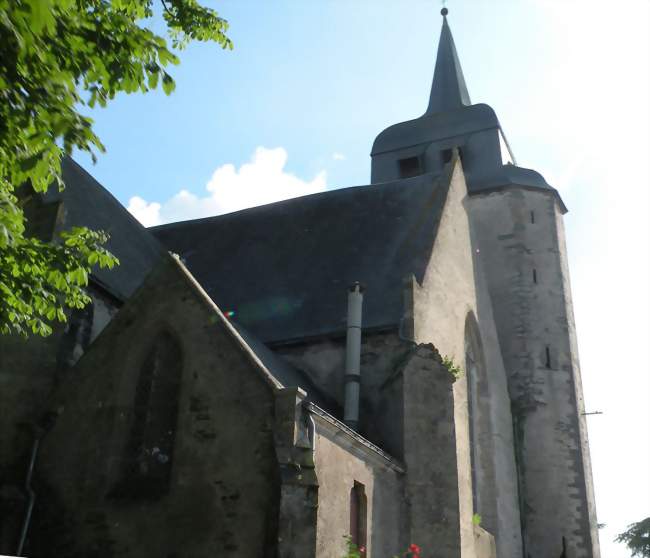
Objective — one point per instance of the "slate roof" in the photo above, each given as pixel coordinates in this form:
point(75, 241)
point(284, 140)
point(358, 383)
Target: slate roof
point(284, 268)
point(287, 374)
point(435, 127)
point(87, 203)
point(449, 90)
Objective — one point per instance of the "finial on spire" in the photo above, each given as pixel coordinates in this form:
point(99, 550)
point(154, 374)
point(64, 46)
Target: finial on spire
point(448, 91)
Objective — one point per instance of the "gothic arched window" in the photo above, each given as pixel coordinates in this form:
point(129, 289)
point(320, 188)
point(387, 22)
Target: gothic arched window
point(472, 364)
point(150, 446)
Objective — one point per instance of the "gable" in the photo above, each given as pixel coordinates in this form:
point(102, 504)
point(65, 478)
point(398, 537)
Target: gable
point(168, 406)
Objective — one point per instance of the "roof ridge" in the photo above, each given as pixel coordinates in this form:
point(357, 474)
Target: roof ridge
point(330, 192)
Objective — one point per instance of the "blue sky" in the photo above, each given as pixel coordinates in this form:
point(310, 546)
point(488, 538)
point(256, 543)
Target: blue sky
point(295, 108)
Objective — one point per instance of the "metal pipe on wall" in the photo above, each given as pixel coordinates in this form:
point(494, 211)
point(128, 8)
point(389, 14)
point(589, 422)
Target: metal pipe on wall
point(40, 429)
point(31, 495)
point(353, 356)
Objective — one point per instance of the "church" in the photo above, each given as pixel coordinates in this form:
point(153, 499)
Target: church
point(395, 363)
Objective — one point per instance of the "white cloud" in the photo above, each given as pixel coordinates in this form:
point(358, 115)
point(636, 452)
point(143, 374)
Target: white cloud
point(260, 181)
point(147, 213)
point(338, 156)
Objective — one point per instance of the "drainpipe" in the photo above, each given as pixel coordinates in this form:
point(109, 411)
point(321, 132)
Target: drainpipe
point(31, 495)
point(353, 356)
point(40, 430)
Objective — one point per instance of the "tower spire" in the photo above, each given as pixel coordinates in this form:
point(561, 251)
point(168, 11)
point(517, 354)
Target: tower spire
point(448, 91)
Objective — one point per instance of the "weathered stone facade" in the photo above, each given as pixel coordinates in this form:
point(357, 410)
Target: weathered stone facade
point(157, 423)
point(524, 258)
point(30, 369)
point(101, 498)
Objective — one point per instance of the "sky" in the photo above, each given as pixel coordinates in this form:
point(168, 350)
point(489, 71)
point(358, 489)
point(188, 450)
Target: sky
point(295, 107)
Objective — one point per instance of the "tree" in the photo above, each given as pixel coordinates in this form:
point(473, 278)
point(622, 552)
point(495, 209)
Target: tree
point(637, 538)
point(57, 56)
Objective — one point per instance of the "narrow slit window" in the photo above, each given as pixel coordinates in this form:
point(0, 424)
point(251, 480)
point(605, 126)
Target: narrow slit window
point(409, 167)
point(532, 217)
point(534, 275)
point(548, 357)
point(358, 517)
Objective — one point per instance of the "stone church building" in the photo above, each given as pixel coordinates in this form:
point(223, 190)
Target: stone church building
point(386, 362)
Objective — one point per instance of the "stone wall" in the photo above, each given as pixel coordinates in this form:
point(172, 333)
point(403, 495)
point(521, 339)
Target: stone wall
point(294, 445)
point(323, 361)
point(341, 461)
point(433, 481)
point(215, 491)
point(484, 543)
point(521, 241)
point(453, 295)
point(454, 292)
point(27, 376)
point(30, 369)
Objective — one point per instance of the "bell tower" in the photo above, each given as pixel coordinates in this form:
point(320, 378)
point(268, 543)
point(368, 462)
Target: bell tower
point(517, 226)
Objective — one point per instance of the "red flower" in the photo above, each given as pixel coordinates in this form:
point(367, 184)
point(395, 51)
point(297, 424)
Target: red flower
point(414, 549)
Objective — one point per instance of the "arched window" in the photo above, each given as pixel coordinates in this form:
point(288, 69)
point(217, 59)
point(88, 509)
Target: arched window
point(473, 368)
point(150, 447)
point(358, 520)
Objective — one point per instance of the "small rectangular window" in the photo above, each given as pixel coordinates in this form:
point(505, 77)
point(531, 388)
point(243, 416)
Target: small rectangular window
point(409, 167)
point(534, 276)
point(532, 217)
point(548, 357)
point(358, 517)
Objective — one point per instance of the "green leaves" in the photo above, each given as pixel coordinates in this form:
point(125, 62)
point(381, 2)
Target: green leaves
point(168, 84)
point(637, 538)
point(41, 15)
point(188, 20)
point(57, 56)
point(39, 281)
point(454, 369)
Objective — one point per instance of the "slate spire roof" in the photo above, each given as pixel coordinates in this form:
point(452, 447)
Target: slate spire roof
point(448, 90)
point(452, 121)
